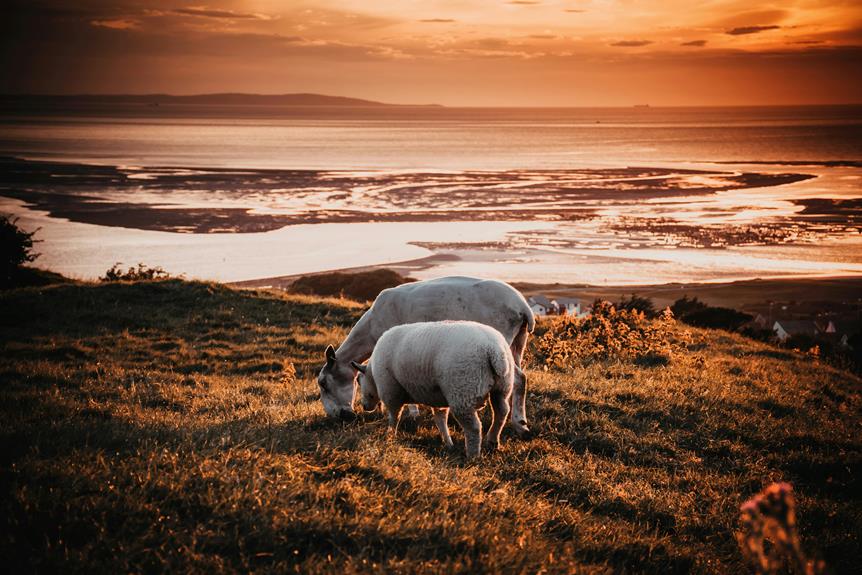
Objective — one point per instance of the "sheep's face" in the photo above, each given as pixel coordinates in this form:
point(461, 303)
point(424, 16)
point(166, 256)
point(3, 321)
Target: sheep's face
point(367, 387)
point(368, 391)
point(337, 385)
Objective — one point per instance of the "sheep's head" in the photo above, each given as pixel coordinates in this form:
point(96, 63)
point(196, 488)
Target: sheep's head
point(337, 383)
point(370, 399)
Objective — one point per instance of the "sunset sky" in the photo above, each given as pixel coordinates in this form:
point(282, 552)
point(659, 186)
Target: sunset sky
point(451, 52)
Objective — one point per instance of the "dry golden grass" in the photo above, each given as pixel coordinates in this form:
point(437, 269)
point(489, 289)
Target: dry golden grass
point(175, 426)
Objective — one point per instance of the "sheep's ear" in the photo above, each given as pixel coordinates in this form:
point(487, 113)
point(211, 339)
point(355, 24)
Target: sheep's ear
point(358, 367)
point(330, 355)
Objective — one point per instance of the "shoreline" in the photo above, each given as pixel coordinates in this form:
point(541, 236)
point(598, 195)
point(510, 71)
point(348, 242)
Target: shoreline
point(745, 293)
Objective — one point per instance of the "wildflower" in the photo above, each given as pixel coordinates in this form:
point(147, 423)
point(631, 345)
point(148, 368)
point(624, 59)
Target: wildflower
point(769, 538)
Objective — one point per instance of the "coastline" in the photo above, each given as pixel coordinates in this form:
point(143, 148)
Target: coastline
point(745, 293)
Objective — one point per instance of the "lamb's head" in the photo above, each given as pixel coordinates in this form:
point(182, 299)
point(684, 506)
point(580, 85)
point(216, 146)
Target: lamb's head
point(337, 387)
point(370, 399)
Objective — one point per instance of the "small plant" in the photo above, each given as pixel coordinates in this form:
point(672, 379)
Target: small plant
point(16, 249)
point(606, 334)
point(134, 274)
point(769, 539)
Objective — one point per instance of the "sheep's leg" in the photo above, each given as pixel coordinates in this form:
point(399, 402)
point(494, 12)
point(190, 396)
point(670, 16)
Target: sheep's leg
point(472, 426)
point(500, 408)
point(519, 406)
point(441, 418)
point(519, 392)
point(410, 418)
point(394, 412)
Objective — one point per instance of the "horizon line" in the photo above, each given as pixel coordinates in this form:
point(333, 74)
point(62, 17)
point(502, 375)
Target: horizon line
point(377, 103)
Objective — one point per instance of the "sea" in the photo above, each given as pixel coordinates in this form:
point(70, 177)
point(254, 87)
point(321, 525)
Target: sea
point(602, 196)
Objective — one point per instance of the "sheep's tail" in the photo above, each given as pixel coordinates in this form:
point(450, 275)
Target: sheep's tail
point(529, 323)
point(502, 365)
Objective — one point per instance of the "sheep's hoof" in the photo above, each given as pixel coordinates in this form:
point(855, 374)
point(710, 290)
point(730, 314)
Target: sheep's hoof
point(490, 447)
point(523, 432)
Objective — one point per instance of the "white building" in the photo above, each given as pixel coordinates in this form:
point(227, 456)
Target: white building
point(785, 328)
point(542, 305)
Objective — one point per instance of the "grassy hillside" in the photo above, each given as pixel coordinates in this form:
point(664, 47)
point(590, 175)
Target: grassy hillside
point(175, 426)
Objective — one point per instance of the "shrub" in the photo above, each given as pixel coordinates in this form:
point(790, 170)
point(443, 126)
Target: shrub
point(717, 318)
point(607, 333)
point(638, 303)
point(16, 249)
point(362, 286)
point(758, 333)
point(684, 306)
point(134, 274)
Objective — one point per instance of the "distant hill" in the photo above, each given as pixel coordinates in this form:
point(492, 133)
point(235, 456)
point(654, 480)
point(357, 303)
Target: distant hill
point(225, 99)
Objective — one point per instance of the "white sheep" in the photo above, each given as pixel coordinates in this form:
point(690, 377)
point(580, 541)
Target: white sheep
point(446, 365)
point(490, 302)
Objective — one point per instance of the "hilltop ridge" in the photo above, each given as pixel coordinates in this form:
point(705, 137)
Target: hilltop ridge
point(175, 426)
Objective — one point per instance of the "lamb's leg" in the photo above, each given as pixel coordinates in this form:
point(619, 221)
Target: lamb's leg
point(410, 418)
point(500, 408)
point(441, 418)
point(394, 412)
point(472, 426)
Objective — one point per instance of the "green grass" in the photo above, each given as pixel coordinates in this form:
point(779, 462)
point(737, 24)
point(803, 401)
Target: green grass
point(175, 426)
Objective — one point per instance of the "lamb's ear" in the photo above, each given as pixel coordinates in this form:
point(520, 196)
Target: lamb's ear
point(330, 355)
point(358, 367)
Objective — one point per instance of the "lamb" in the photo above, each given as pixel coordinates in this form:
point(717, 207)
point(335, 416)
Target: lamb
point(490, 302)
point(445, 365)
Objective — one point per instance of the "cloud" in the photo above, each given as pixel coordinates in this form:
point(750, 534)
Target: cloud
point(631, 43)
point(743, 30)
point(542, 36)
point(696, 43)
point(203, 12)
point(574, 10)
point(437, 20)
point(116, 24)
point(523, 2)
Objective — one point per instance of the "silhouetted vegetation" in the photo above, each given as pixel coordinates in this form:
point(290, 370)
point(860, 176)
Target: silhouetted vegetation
point(637, 303)
point(16, 249)
point(695, 312)
point(134, 274)
point(361, 286)
point(718, 318)
point(763, 334)
point(684, 306)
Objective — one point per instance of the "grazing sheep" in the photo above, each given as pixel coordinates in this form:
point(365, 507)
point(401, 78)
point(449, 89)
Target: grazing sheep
point(490, 302)
point(446, 365)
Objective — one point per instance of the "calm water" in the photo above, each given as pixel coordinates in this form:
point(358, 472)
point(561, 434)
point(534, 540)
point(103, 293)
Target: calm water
point(444, 138)
point(646, 240)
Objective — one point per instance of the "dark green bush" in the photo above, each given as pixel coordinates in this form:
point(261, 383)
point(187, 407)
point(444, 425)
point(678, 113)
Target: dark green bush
point(362, 286)
point(16, 249)
point(638, 303)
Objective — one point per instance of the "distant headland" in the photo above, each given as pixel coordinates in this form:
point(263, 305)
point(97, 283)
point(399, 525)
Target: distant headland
point(218, 99)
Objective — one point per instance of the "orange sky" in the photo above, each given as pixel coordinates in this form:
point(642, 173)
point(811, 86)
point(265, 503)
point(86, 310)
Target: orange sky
point(453, 52)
